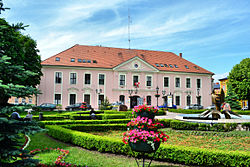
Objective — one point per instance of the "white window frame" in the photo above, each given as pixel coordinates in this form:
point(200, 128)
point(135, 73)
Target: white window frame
point(70, 78)
point(90, 78)
point(55, 98)
point(190, 100)
point(69, 97)
point(146, 77)
point(55, 77)
point(175, 99)
point(190, 82)
point(99, 78)
point(168, 81)
point(124, 80)
point(197, 83)
point(175, 82)
point(133, 78)
point(90, 101)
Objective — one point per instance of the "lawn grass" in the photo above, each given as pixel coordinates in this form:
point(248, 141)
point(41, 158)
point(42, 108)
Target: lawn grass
point(230, 141)
point(80, 156)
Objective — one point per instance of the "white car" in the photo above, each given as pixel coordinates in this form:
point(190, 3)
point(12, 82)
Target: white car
point(244, 108)
point(212, 107)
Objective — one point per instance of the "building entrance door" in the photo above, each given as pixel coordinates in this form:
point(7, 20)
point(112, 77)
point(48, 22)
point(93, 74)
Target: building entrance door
point(134, 101)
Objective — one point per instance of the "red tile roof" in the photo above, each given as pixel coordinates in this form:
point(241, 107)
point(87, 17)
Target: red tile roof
point(107, 57)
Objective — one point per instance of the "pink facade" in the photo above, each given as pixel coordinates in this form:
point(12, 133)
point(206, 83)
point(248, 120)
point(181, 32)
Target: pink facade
point(118, 80)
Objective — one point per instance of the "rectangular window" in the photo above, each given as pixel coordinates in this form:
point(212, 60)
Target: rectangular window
point(30, 100)
point(87, 98)
point(58, 78)
point(57, 99)
point(177, 100)
point(177, 83)
point(122, 99)
point(149, 100)
point(198, 83)
point(87, 79)
point(135, 79)
point(199, 100)
point(149, 81)
point(188, 100)
point(166, 82)
point(23, 100)
point(122, 80)
point(188, 83)
point(72, 78)
point(100, 99)
point(72, 99)
point(57, 58)
point(101, 79)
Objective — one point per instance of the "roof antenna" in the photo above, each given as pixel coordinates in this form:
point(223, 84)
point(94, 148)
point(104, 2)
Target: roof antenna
point(129, 21)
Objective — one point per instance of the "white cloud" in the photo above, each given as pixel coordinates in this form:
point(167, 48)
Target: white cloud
point(216, 77)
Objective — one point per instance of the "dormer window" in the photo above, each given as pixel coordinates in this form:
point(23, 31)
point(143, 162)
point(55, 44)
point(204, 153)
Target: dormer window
point(72, 60)
point(162, 65)
point(186, 67)
point(165, 65)
point(57, 58)
point(170, 65)
point(88, 61)
point(94, 61)
point(83, 60)
point(197, 68)
point(79, 60)
point(157, 65)
point(176, 66)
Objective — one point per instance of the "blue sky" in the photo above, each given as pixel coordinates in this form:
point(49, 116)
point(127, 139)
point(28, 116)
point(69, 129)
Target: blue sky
point(214, 34)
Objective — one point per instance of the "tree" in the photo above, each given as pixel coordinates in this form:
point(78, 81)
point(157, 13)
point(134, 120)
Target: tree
point(21, 51)
point(14, 81)
point(239, 79)
point(232, 98)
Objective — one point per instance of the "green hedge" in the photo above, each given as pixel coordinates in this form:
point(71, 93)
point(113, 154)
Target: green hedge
point(189, 111)
point(48, 117)
point(114, 116)
point(64, 122)
point(97, 127)
point(169, 153)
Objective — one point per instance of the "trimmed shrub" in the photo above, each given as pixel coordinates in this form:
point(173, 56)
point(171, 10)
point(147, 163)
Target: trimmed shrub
point(246, 125)
point(114, 116)
point(96, 127)
point(48, 117)
point(169, 153)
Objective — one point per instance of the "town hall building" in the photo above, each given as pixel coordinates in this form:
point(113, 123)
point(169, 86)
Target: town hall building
point(130, 76)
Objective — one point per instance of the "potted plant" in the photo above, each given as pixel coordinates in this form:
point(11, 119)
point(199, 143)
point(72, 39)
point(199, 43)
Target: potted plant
point(144, 123)
point(145, 111)
point(143, 140)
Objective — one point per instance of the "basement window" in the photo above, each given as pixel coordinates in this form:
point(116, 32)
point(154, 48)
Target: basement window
point(57, 58)
point(72, 60)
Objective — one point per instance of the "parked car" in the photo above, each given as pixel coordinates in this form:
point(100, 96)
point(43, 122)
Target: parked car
point(78, 106)
point(212, 107)
point(165, 106)
point(244, 108)
point(194, 107)
point(45, 106)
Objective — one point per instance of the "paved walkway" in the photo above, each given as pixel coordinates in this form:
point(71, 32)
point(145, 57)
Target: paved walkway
point(169, 115)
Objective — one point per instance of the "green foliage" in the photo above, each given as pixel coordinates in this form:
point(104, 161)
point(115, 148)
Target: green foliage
point(239, 79)
point(96, 127)
point(105, 105)
point(232, 98)
point(170, 153)
point(188, 111)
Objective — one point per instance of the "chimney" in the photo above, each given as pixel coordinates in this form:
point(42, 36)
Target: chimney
point(180, 55)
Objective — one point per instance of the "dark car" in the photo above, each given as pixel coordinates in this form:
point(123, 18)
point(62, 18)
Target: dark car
point(165, 106)
point(78, 106)
point(195, 107)
point(46, 106)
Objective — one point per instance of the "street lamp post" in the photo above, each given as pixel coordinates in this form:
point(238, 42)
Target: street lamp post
point(98, 91)
point(157, 94)
point(164, 98)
